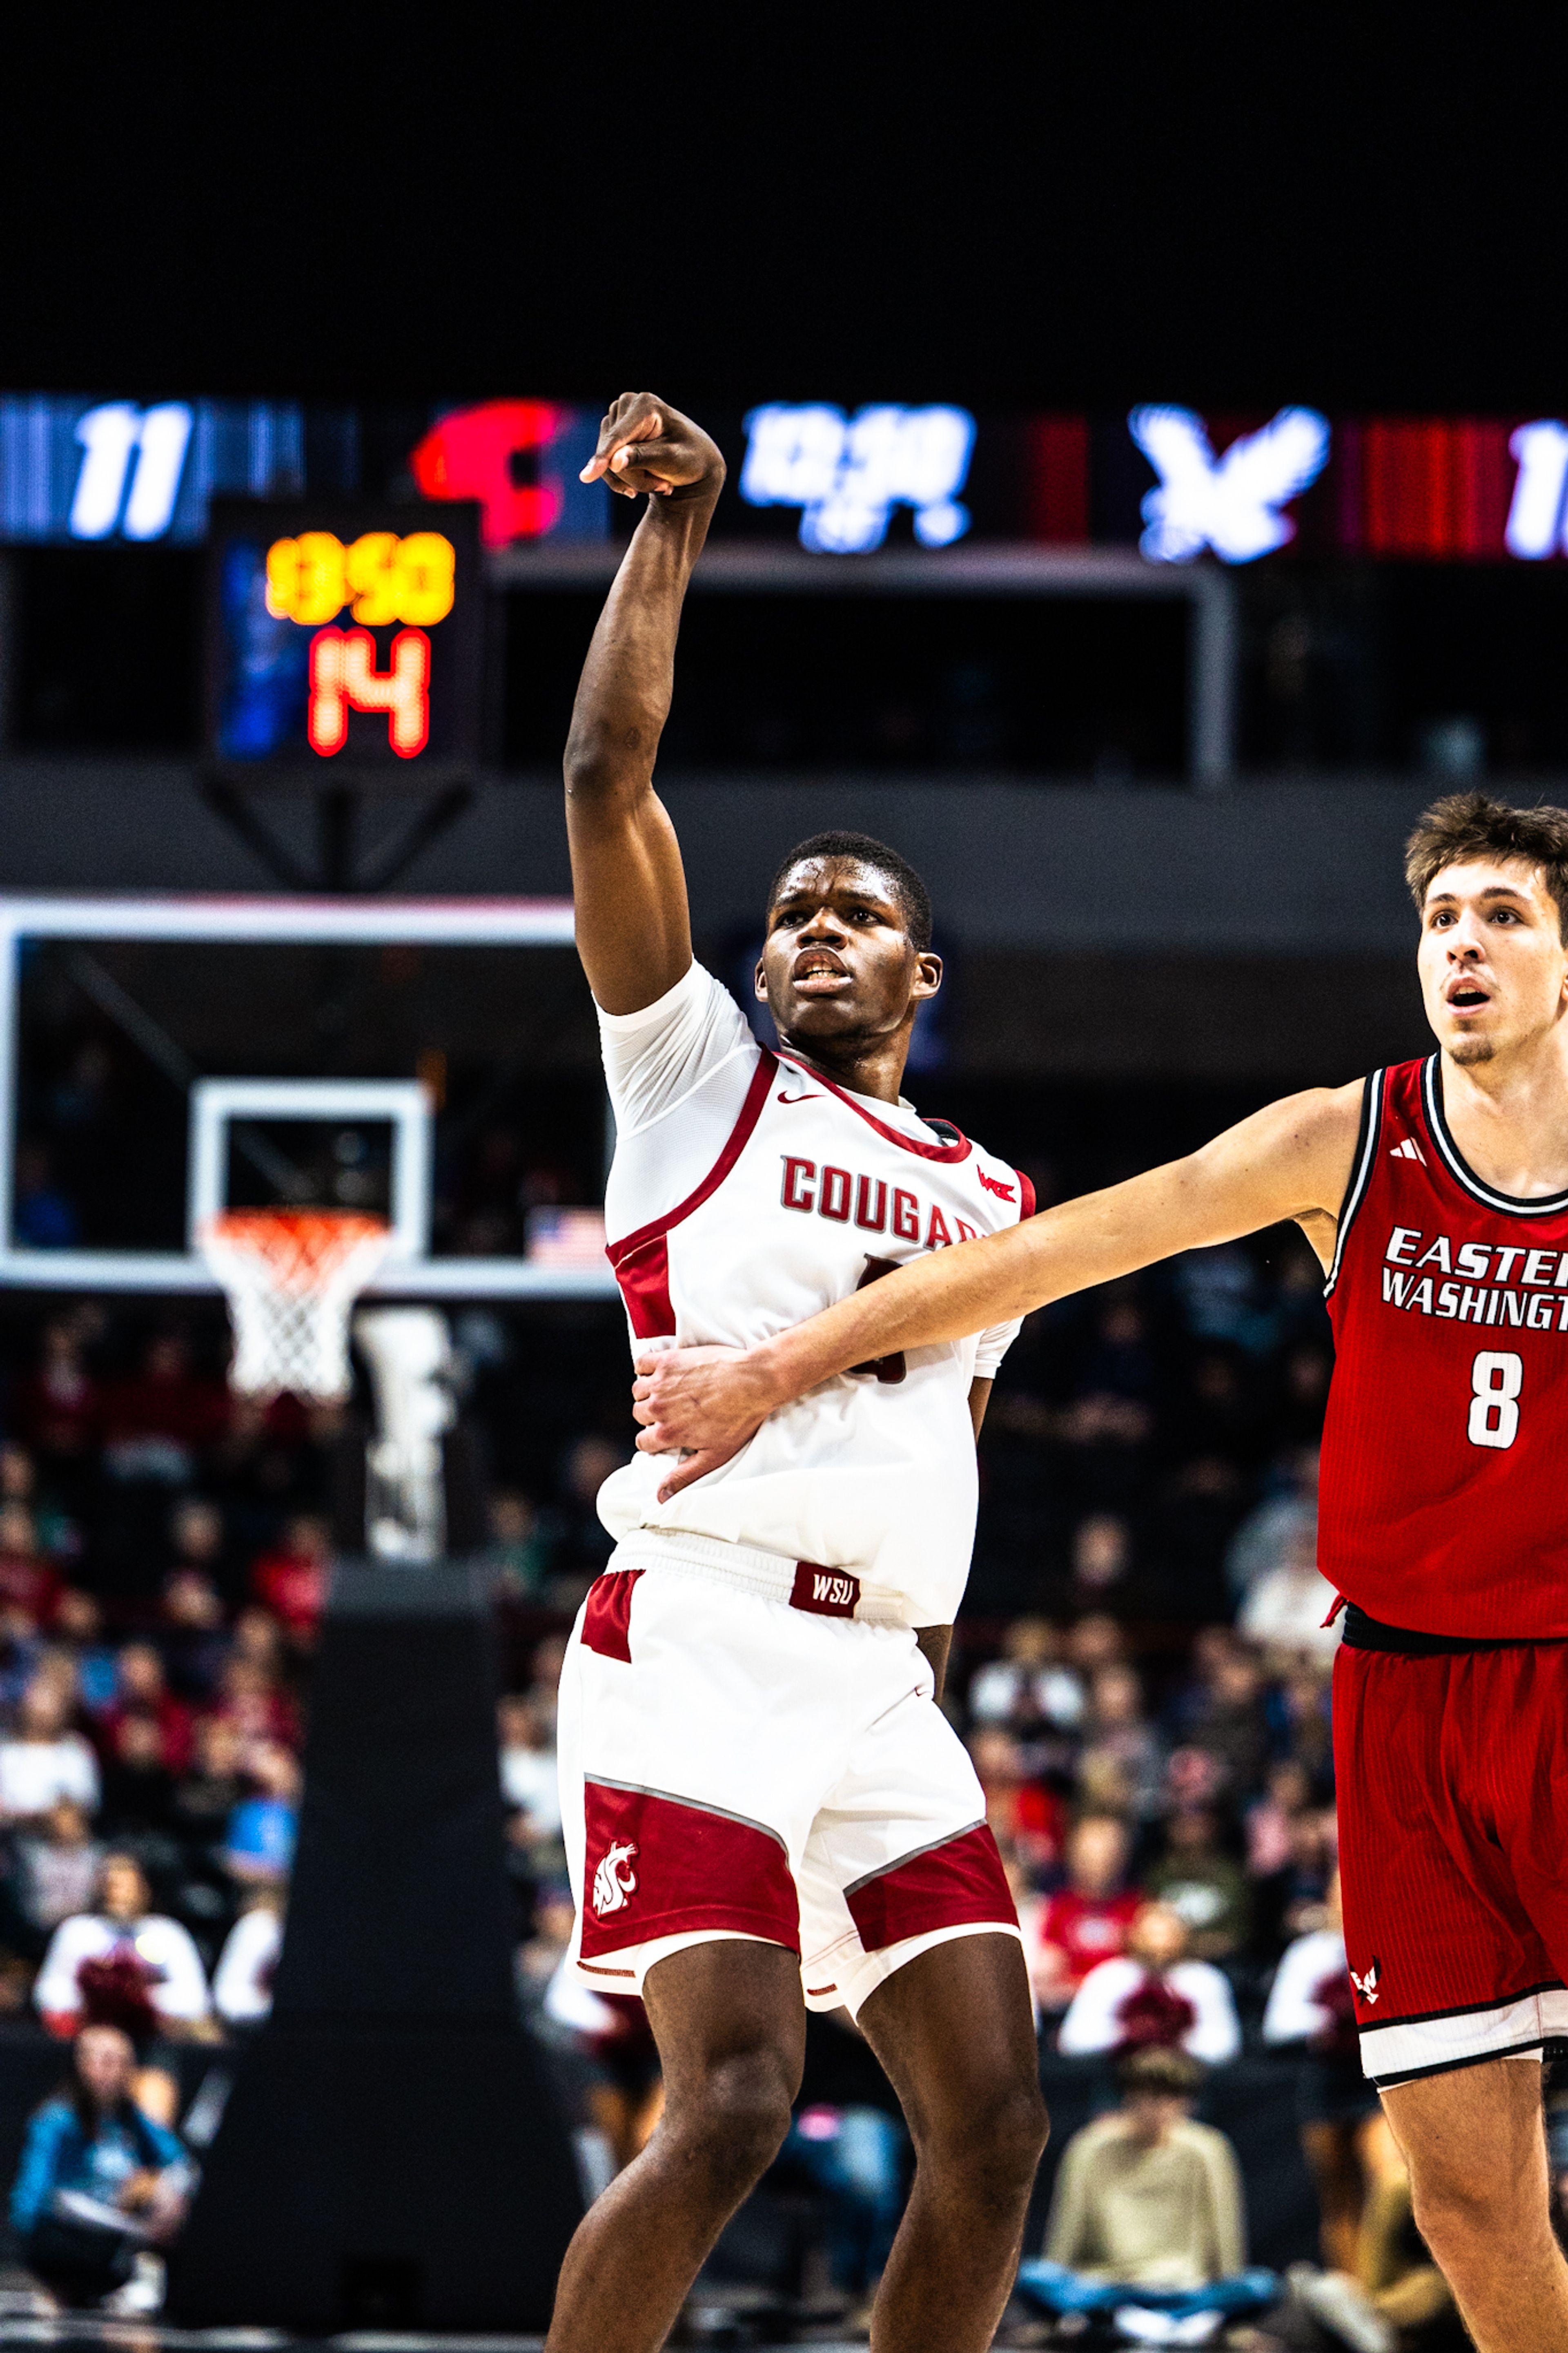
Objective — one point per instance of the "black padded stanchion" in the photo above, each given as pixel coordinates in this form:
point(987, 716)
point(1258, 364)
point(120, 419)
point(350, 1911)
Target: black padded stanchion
point(391, 2154)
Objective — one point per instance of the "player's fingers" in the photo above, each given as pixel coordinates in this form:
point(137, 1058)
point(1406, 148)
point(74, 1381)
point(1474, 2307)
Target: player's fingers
point(674, 460)
point(644, 1413)
point(633, 419)
point(690, 1468)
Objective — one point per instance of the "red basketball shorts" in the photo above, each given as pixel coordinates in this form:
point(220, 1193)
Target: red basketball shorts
point(1453, 1803)
point(735, 1763)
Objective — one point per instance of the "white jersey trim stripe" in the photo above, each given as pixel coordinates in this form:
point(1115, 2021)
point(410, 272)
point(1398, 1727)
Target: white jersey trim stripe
point(1431, 2046)
point(1361, 1173)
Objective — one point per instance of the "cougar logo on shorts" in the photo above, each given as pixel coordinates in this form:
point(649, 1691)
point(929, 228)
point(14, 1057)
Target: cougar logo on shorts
point(1367, 1986)
point(610, 1889)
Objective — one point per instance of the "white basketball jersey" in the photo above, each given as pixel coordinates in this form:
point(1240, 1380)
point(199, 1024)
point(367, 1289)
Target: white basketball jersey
point(748, 1191)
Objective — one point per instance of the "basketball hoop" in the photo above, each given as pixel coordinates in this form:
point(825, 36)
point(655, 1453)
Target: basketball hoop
point(291, 1277)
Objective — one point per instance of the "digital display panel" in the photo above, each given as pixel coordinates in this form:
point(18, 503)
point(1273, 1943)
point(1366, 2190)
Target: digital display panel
point(839, 480)
point(343, 640)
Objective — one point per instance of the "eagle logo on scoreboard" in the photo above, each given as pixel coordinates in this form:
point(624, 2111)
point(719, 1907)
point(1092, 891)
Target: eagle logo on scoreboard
point(611, 1889)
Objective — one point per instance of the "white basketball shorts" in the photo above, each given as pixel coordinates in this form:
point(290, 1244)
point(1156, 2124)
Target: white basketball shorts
point(742, 1757)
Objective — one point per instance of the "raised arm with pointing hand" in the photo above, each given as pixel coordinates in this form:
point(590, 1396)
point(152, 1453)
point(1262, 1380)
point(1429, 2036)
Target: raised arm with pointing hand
point(634, 934)
point(1292, 1160)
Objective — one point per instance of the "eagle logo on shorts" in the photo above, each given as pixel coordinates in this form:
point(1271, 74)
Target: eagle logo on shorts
point(1367, 1986)
point(610, 1889)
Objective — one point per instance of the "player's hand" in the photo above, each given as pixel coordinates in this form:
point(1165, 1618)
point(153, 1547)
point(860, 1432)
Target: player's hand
point(701, 1403)
point(646, 445)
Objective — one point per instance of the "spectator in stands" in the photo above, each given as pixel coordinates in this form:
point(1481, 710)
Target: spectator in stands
point(1205, 1887)
point(1147, 2212)
point(1287, 1609)
point(1101, 1557)
point(59, 1405)
point(141, 1690)
point(1088, 1920)
point(58, 1863)
point(124, 1929)
point(578, 1542)
point(196, 1539)
point(292, 1583)
point(1229, 1719)
point(242, 1982)
point(159, 1424)
point(1302, 1707)
point(259, 1848)
point(1026, 1817)
point(251, 1699)
point(545, 1684)
point(857, 2154)
point(1270, 1818)
point(530, 1780)
point(1153, 1994)
point(1353, 2155)
point(1286, 1517)
point(91, 2155)
point(213, 1784)
point(78, 1621)
point(138, 1786)
point(517, 1550)
point(191, 1636)
point(42, 1761)
point(1029, 1684)
point(1116, 1734)
point(28, 1581)
point(43, 1215)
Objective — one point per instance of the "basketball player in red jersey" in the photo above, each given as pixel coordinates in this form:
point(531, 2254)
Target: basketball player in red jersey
point(763, 1808)
point(1437, 1197)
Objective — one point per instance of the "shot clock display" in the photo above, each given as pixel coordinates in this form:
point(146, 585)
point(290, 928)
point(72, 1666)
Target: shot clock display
point(343, 642)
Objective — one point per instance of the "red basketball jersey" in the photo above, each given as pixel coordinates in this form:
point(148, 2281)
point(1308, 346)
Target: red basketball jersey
point(1444, 1498)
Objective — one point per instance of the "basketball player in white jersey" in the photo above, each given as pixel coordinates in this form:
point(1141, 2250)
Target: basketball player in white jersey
point(764, 1807)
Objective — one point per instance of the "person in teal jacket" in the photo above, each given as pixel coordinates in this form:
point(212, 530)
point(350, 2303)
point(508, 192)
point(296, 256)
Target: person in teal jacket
point(98, 2178)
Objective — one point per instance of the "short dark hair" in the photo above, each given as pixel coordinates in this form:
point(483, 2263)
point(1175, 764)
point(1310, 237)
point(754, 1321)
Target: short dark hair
point(1472, 825)
point(1169, 2075)
point(867, 850)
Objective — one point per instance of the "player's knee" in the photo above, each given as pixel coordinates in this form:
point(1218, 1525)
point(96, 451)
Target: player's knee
point(1454, 2210)
point(739, 2118)
point(993, 2139)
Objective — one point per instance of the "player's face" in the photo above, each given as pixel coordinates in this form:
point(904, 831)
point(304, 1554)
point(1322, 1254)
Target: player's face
point(1494, 971)
point(838, 961)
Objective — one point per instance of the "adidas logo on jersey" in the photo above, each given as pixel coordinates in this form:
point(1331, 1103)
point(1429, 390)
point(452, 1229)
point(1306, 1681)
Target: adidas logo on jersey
point(1408, 1150)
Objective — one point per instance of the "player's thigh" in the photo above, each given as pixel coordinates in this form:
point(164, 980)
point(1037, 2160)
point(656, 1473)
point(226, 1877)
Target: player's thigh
point(898, 1860)
point(1440, 1944)
point(954, 2032)
point(1473, 2141)
point(1526, 1703)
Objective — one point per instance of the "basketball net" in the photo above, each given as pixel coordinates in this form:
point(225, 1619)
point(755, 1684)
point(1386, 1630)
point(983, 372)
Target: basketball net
point(291, 1277)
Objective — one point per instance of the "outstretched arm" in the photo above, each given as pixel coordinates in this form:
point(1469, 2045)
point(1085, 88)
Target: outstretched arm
point(1292, 1160)
point(634, 933)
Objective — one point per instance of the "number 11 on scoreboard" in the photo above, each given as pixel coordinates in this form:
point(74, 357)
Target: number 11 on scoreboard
point(344, 677)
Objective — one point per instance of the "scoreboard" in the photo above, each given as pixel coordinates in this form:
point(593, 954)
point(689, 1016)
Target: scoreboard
point(344, 643)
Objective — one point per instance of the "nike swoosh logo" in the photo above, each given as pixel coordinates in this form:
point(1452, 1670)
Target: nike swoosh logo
point(795, 1099)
